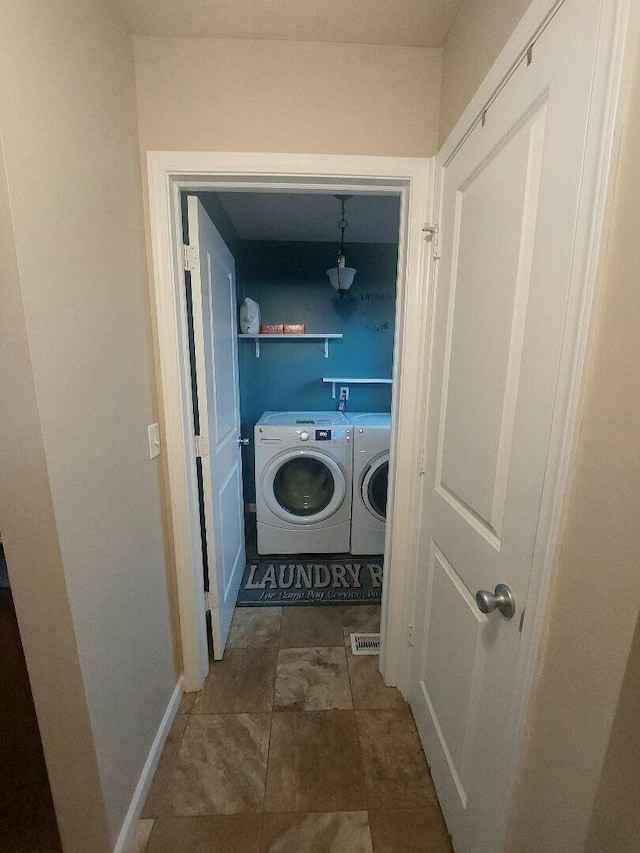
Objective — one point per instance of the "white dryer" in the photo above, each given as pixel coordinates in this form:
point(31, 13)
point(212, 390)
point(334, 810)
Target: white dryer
point(371, 439)
point(303, 482)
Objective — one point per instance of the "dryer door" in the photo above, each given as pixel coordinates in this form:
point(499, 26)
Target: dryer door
point(374, 487)
point(304, 486)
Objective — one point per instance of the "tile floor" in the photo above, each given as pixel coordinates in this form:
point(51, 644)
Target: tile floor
point(293, 746)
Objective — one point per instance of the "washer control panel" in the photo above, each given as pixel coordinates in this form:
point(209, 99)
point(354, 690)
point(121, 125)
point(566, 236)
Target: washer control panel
point(333, 434)
point(307, 434)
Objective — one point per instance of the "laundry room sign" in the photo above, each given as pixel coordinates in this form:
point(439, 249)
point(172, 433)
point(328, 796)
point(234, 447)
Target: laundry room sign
point(274, 582)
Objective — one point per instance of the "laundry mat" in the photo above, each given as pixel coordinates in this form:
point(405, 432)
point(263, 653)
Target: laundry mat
point(281, 582)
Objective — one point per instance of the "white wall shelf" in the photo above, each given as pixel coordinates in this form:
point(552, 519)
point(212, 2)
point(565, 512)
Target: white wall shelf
point(311, 337)
point(341, 380)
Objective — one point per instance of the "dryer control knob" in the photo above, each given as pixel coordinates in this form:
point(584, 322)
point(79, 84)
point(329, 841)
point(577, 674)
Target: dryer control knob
point(304, 435)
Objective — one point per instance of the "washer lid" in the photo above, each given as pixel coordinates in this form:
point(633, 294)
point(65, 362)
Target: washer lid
point(303, 486)
point(303, 418)
point(374, 487)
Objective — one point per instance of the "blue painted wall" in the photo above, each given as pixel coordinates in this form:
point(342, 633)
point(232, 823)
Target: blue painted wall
point(289, 283)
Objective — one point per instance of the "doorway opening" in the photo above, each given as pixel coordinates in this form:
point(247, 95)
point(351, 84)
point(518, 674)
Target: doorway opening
point(309, 370)
point(410, 181)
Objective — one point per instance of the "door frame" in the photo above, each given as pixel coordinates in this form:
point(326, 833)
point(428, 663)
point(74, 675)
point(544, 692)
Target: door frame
point(619, 27)
point(169, 174)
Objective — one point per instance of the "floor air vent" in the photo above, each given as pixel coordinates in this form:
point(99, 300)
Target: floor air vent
point(365, 644)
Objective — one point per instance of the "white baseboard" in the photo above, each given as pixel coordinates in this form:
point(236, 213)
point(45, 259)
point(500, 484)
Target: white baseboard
point(130, 823)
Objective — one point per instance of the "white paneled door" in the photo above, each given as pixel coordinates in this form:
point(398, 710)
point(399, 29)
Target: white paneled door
point(508, 218)
point(213, 286)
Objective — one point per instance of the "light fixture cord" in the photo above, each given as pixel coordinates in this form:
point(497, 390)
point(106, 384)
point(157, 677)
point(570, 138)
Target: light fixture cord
point(342, 225)
point(342, 261)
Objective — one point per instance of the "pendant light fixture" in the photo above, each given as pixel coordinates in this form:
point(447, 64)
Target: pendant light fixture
point(341, 276)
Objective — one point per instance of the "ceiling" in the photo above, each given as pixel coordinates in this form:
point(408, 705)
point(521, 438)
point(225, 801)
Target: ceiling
point(309, 218)
point(409, 23)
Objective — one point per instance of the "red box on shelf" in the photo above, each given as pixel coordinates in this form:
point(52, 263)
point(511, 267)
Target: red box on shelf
point(271, 329)
point(294, 328)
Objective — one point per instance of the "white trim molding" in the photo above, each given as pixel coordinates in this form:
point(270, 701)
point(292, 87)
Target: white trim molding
point(130, 823)
point(170, 173)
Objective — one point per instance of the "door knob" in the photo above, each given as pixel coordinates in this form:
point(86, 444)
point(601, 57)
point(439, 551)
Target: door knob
point(243, 441)
point(502, 599)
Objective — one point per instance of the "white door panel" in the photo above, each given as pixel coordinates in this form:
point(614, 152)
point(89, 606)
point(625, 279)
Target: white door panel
point(508, 213)
point(231, 529)
point(223, 348)
point(458, 625)
point(487, 309)
point(216, 356)
point(482, 347)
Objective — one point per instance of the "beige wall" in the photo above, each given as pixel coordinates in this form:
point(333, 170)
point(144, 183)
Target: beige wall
point(304, 97)
point(582, 717)
point(615, 821)
point(85, 486)
point(37, 575)
point(479, 31)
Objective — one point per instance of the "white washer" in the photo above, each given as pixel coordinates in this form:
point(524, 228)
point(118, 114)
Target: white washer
point(371, 439)
point(303, 482)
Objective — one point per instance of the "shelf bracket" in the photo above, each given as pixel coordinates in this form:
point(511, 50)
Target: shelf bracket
point(326, 350)
point(333, 390)
point(257, 342)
